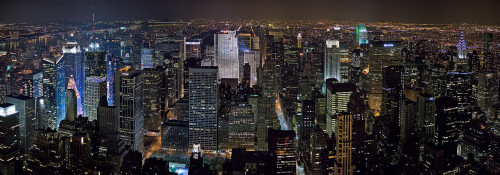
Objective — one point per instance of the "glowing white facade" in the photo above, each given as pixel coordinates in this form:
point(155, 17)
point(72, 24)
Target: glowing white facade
point(332, 60)
point(253, 58)
point(226, 54)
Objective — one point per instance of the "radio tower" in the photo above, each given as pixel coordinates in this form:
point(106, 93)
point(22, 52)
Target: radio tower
point(93, 45)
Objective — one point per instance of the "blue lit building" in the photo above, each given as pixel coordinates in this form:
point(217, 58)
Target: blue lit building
point(73, 65)
point(60, 92)
point(113, 64)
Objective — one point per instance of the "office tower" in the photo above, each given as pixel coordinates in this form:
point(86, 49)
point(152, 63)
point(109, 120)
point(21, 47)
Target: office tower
point(449, 124)
point(244, 44)
point(79, 153)
point(129, 100)
point(203, 95)
point(337, 99)
point(246, 74)
point(320, 109)
point(27, 121)
point(252, 57)
point(426, 119)
point(474, 141)
point(95, 88)
point(392, 93)
point(74, 70)
point(343, 145)
point(241, 127)
point(47, 153)
point(438, 80)
point(226, 54)
point(114, 63)
point(174, 77)
point(152, 80)
point(49, 93)
point(332, 60)
point(267, 105)
point(147, 59)
point(317, 144)
point(193, 48)
point(95, 64)
point(361, 34)
point(112, 148)
point(308, 119)
point(281, 149)
point(381, 54)
point(487, 92)
point(9, 144)
point(175, 135)
point(459, 87)
point(61, 87)
point(33, 84)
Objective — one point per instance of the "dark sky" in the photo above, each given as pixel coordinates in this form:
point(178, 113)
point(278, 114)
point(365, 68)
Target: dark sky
point(419, 11)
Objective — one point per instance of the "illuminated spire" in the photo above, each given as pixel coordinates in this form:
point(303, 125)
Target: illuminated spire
point(462, 47)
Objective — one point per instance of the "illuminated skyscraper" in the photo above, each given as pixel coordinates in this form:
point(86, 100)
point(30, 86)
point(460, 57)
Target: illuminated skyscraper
point(252, 57)
point(129, 100)
point(241, 127)
point(244, 44)
point(459, 87)
point(114, 63)
point(9, 144)
point(226, 54)
point(282, 150)
point(361, 34)
point(426, 118)
point(73, 69)
point(462, 47)
point(33, 84)
point(337, 99)
point(49, 96)
point(27, 121)
point(147, 60)
point(267, 117)
point(203, 95)
point(61, 87)
point(152, 82)
point(487, 92)
point(95, 88)
point(381, 54)
point(343, 145)
point(332, 60)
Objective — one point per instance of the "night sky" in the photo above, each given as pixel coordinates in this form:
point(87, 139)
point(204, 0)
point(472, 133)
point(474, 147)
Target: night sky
point(423, 11)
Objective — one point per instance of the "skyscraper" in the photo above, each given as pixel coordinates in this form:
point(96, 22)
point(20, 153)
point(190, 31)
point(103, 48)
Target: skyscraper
point(381, 54)
point(203, 94)
point(49, 115)
point(361, 34)
point(27, 121)
point(129, 100)
point(147, 60)
point(487, 92)
point(332, 60)
point(267, 117)
point(337, 99)
point(343, 145)
point(252, 57)
point(9, 144)
point(73, 69)
point(282, 150)
point(241, 127)
point(426, 119)
point(95, 88)
point(71, 104)
point(226, 54)
point(152, 83)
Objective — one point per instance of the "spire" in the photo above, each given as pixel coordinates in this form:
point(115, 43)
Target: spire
point(462, 47)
